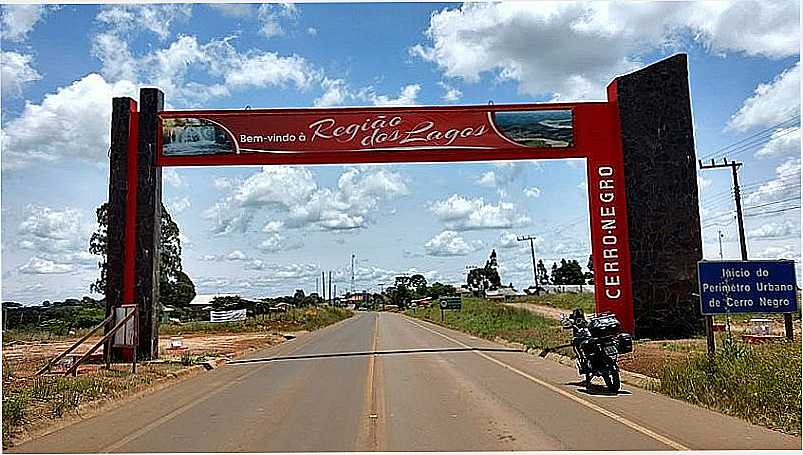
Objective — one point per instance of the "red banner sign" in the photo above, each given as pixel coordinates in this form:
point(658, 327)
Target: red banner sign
point(364, 130)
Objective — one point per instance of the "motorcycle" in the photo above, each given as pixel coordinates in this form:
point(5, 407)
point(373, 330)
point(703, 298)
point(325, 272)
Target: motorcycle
point(598, 343)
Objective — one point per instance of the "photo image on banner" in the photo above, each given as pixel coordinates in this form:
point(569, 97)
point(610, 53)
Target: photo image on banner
point(547, 128)
point(194, 136)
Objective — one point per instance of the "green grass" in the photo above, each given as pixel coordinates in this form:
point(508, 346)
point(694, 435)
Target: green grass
point(55, 396)
point(298, 319)
point(488, 320)
point(760, 383)
point(565, 301)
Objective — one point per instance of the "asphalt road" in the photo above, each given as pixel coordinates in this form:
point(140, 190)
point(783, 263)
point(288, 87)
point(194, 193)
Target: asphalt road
point(382, 381)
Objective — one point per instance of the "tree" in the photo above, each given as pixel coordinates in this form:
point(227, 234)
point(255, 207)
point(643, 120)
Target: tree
point(438, 290)
point(569, 272)
point(589, 276)
point(298, 297)
point(399, 295)
point(482, 279)
point(555, 277)
point(180, 293)
point(419, 284)
point(543, 276)
point(169, 254)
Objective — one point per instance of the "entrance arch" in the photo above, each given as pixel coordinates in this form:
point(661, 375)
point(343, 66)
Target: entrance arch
point(638, 147)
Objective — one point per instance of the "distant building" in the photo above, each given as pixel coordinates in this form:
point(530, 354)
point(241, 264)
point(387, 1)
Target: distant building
point(502, 293)
point(206, 299)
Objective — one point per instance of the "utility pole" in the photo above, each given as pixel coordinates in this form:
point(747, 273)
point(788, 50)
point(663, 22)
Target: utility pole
point(352, 273)
point(330, 288)
point(719, 236)
point(532, 251)
point(737, 196)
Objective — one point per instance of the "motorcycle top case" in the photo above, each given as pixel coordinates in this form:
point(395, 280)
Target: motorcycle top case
point(604, 325)
point(624, 343)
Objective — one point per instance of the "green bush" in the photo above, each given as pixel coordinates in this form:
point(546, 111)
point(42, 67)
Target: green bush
point(489, 320)
point(758, 383)
point(15, 408)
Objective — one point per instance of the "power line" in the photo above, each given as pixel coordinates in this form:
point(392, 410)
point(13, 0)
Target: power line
point(772, 203)
point(771, 129)
point(770, 212)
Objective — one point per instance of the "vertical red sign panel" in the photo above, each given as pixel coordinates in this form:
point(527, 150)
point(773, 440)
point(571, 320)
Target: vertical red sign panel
point(608, 216)
point(129, 264)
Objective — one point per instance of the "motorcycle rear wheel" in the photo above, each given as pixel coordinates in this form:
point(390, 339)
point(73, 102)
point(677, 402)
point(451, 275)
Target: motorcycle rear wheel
point(612, 380)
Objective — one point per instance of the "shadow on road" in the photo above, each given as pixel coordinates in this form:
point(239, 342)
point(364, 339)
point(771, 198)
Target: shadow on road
point(596, 389)
point(366, 353)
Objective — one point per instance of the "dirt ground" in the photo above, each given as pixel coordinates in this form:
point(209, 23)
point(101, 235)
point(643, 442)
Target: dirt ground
point(26, 357)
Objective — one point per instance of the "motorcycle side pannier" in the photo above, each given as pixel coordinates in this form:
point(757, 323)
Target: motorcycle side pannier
point(604, 325)
point(624, 343)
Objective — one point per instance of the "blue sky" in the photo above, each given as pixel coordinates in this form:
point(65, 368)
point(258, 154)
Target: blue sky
point(62, 64)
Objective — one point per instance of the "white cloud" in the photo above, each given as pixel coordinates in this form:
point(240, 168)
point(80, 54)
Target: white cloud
point(277, 242)
point(236, 10)
point(702, 182)
point(785, 185)
point(462, 214)
point(407, 96)
point(789, 251)
point(220, 68)
point(312, 31)
point(488, 179)
point(293, 191)
point(40, 266)
point(336, 92)
point(508, 240)
point(171, 177)
point(19, 20)
point(53, 233)
point(783, 142)
point(270, 18)
point(775, 230)
point(237, 255)
point(771, 103)
point(449, 243)
point(273, 227)
point(179, 205)
point(154, 18)
point(16, 73)
point(581, 46)
point(450, 94)
point(532, 192)
point(71, 123)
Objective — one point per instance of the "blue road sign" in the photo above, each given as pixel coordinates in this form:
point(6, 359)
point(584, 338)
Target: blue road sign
point(747, 287)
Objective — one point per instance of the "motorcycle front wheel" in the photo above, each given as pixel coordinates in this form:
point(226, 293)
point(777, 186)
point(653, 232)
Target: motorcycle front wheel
point(611, 378)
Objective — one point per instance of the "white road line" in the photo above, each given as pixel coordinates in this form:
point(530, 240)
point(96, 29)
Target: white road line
point(175, 413)
point(616, 417)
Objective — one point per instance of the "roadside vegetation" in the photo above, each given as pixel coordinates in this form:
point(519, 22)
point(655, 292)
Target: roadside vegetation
point(759, 383)
point(489, 320)
point(564, 301)
point(311, 318)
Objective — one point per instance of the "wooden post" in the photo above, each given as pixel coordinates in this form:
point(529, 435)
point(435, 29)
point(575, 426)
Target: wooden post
point(123, 144)
point(790, 330)
point(709, 335)
point(148, 223)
